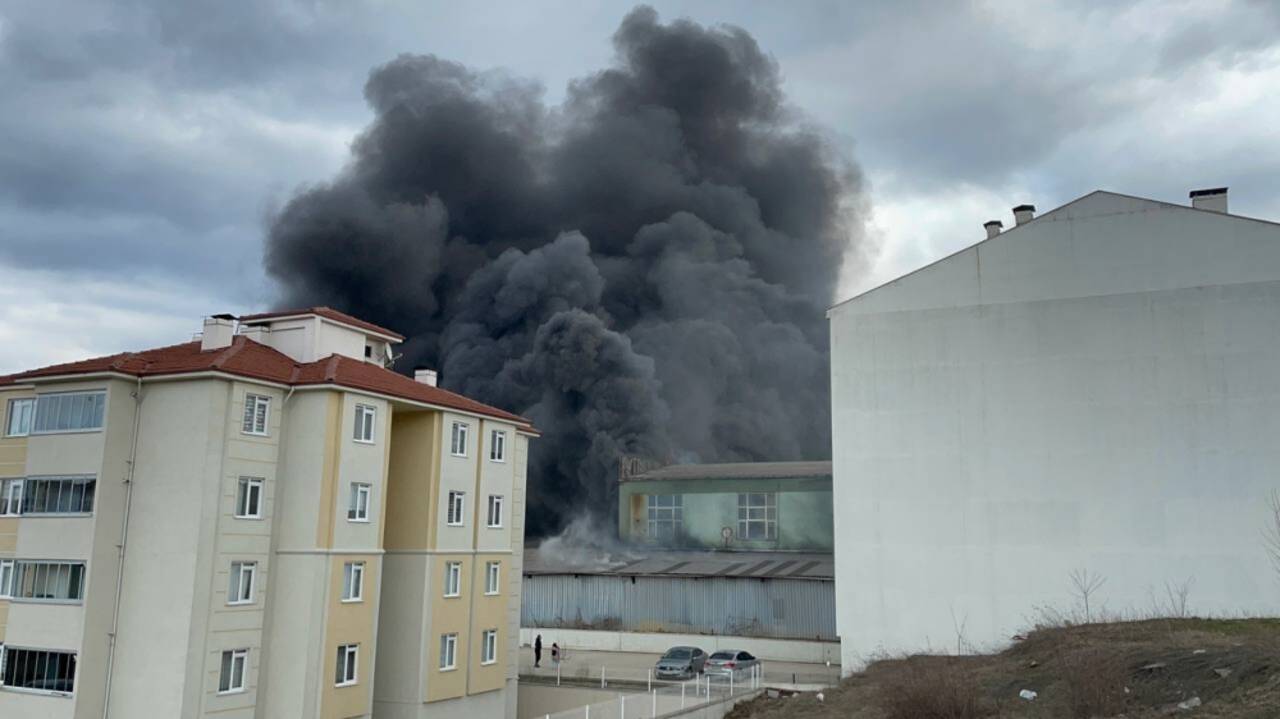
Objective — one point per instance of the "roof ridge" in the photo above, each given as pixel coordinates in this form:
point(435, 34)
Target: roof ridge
point(237, 344)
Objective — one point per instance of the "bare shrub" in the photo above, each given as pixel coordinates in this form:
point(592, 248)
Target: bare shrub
point(1085, 585)
point(1271, 533)
point(931, 688)
point(1095, 681)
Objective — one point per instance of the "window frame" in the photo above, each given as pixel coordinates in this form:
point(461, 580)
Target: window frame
point(456, 498)
point(498, 445)
point(366, 419)
point(460, 435)
point(13, 575)
point(348, 659)
point(493, 514)
point(255, 399)
point(227, 660)
point(352, 582)
point(492, 578)
point(359, 490)
point(236, 581)
point(11, 489)
point(10, 415)
point(769, 520)
point(659, 515)
point(488, 647)
point(247, 484)
point(449, 648)
point(8, 575)
point(452, 580)
point(26, 495)
point(102, 422)
point(73, 663)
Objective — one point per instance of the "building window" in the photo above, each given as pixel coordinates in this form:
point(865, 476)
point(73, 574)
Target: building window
point(758, 516)
point(241, 589)
point(458, 444)
point(448, 652)
point(38, 670)
point(69, 412)
point(257, 410)
point(47, 495)
point(231, 675)
point(454, 517)
point(353, 582)
point(498, 445)
point(37, 580)
point(249, 498)
point(358, 510)
point(453, 579)
point(365, 415)
point(666, 515)
point(492, 573)
point(495, 511)
point(489, 646)
point(21, 412)
point(10, 497)
point(348, 657)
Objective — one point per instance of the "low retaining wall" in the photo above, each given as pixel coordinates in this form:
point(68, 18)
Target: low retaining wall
point(778, 650)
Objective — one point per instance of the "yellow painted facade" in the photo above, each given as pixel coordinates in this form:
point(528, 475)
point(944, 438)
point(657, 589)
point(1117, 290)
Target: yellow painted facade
point(13, 463)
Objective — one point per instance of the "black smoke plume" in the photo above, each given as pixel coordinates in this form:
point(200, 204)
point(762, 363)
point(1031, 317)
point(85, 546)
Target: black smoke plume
point(642, 269)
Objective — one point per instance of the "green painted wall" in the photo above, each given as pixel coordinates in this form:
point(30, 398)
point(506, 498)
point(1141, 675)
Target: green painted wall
point(804, 512)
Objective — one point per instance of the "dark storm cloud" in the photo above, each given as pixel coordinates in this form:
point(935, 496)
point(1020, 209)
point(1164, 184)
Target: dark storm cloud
point(641, 270)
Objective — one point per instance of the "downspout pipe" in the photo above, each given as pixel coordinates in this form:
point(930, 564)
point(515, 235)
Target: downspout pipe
point(124, 539)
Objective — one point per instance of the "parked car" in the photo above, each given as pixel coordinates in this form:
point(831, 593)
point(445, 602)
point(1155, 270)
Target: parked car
point(681, 663)
point(727, 661)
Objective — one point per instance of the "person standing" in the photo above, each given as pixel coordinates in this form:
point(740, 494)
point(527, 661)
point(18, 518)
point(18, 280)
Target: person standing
point(537, 651)
point(555, 653)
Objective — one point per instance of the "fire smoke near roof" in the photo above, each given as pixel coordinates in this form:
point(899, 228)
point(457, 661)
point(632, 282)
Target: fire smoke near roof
point(642, 269)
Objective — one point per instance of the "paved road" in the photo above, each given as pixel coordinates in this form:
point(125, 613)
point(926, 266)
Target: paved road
point(635, 667)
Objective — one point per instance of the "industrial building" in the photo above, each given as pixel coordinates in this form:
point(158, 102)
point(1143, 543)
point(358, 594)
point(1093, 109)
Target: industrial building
point(263, 522)
point(753, 506)
point(1095, 391)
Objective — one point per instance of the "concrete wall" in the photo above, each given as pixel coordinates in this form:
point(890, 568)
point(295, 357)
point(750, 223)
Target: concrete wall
point(1096, 391)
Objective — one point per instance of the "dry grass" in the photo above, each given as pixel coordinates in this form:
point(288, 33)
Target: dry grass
point(1136, 670)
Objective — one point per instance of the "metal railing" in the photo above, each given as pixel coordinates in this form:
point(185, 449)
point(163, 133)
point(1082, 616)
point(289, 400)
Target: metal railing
point(644, 696)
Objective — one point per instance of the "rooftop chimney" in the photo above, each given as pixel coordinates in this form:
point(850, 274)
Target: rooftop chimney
point(425, 376)
point(1023, 214)
point(993, 227)
point(1214, 199)
point(218, 331)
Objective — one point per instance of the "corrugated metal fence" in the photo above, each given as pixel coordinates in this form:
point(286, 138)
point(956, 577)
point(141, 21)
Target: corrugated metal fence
point(752, 607)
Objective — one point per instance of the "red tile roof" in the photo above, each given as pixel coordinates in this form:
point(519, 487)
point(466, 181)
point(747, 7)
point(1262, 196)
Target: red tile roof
point(328, 313)
point(246, 358)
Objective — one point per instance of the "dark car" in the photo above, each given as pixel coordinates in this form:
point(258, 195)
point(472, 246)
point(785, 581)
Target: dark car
point(728, 661)
point(681, 663)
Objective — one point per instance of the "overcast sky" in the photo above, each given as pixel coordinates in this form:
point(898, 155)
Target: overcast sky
point(144, 142)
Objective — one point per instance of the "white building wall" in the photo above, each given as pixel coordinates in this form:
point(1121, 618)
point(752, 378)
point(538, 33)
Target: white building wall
point(1098, 390)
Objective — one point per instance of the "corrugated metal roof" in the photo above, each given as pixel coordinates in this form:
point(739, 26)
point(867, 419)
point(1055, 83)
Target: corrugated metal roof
point(738, 470)
point(790, 565)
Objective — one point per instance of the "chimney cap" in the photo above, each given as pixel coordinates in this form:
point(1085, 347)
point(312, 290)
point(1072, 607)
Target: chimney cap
point(1025, 208)
point(1208, 192)
point(222, 316)
point(990, 223)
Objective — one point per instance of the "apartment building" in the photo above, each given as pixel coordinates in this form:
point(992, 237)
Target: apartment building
point(263, 522)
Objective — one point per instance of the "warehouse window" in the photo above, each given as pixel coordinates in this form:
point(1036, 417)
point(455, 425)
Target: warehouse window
point(249, 498)
point(41, 580)
point(38, 670)
point(489, 646)
point(758, 516)
point(231, 674)
point(20, 414)
point(666, 515)
point(256, 409)
point(69, 412)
